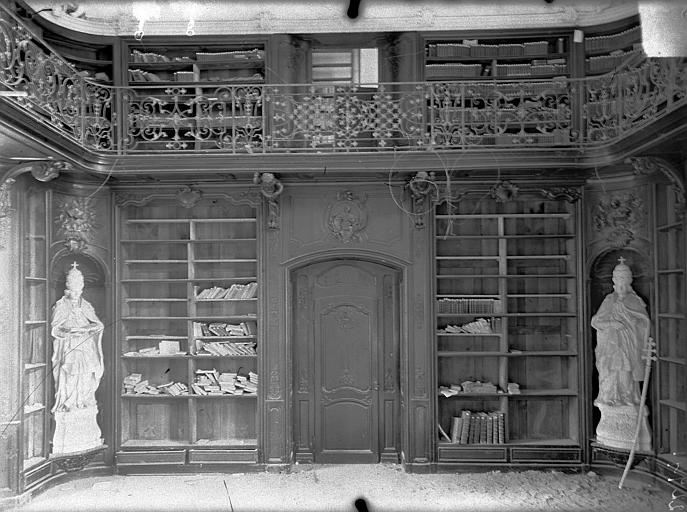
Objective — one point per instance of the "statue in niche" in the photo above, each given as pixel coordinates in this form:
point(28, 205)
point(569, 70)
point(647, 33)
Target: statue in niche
point(622, 324)
point(77, 366)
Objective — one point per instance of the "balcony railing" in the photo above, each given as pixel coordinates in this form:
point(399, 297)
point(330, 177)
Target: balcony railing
point(241, 118)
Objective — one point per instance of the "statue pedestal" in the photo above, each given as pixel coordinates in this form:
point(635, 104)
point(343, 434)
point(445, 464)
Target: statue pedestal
point(76, 431)
point(617, 427)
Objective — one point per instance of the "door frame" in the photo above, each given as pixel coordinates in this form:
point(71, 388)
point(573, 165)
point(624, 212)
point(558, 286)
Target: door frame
point(401, 268)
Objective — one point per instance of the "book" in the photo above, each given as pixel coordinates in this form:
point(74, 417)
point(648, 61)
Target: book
point(456, 429)
point(465, 428)
point(474, 429)
point(483, 428)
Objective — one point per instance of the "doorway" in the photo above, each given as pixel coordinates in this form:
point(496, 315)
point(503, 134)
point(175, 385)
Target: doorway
point(346, 362)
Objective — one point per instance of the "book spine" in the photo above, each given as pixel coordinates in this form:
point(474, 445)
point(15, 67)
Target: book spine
point(456, 429)
point(465, 429)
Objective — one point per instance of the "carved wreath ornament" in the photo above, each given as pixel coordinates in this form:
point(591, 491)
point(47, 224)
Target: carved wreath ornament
point(347, 217)
point(619, 216)
point(76, 222)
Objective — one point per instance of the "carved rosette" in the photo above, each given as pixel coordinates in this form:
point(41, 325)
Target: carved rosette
point(618, 218)
point(504, 191)
point(346, 217)
point(188, 197)
point(76, 222)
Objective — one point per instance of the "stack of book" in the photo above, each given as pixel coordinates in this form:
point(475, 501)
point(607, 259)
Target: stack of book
point(202, 329)
point(477, 428)
point(479, 326)
point(476, 386)
point(222, 349)
point(174, 388)
point(135, 384)
point(212, 382)
point(235, 291)
point(469, 306)
point(164, 348)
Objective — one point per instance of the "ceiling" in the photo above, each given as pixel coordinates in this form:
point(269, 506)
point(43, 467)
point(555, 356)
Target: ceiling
point(210, 17)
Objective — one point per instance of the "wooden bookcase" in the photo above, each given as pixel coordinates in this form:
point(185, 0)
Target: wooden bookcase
point(167, 256)
point(669, 328)
point(512, 267)
point(35, 345)
point(207, 95)
point(516, 57)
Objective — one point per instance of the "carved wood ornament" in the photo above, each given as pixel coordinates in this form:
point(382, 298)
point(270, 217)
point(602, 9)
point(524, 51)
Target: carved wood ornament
point(619, 217)
point(646, 165)
point(424, 191)
point(347, 217)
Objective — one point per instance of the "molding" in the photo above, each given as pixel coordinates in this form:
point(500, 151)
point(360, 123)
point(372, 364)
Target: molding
point(647, 165)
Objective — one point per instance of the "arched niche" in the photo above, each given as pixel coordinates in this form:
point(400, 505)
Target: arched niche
point(601, 284)
point(97, 292)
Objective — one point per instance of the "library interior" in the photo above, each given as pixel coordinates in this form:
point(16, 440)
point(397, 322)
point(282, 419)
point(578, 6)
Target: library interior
point(245, 236)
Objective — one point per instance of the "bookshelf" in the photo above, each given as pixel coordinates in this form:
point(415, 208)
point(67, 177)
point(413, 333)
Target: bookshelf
point(36, 376)
point(608, 50)
point(516, 57)
point(669, 327)
point(211, 95)
point(188, 362)
point(507, 329)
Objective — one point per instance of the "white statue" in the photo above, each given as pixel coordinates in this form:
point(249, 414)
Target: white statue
point(622, 324)
point(77, 367)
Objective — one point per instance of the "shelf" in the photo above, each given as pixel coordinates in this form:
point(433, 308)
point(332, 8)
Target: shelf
point(212, 356)
point(155, 300)
point(496, 315)
point(682, 406)
point(226, 300)
point(33, 408)
point(153, 443)
point(506, 216)
point(499, 237)
point(671, 271)
point(33, 366)
point(467, 334)
point(188, 240)
point(227, 443)
point(190, 280)
point(673, 225)
point(214, 64)
point(155, 262)
point(673, 360)
point(161, 396)
point(677, 316)
point(537, 353)
point(36, 279)
point(35, 322)
point(158, 338)
point(503, 276)
point(225, 396)
point(509, 58)
point(237, 260)
point(156, 356)
point(217, 338)
point(524, 393)
point(516, 442)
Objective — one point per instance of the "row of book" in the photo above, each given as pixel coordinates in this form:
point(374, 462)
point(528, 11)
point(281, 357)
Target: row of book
point(477, 428)
point(204, 329)
point(151, 57)
point(479, 326)
point(212, 382)
point(469, 306)
point(603, 63)
point(223, 349)
point(472, 48)
point(476, 386)
point(235, 291)
point(135, 384)
point(619, 40)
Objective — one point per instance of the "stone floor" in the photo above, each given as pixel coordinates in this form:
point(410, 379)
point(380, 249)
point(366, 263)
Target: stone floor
point(323, 488)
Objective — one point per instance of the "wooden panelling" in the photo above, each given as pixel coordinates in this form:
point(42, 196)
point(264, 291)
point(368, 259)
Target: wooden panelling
point(545, 454)
point(151, 457)
point(450, 453)
point(221, 456)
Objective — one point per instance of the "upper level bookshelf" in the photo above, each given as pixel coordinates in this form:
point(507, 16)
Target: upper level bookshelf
point(507, 334)
point(611, 49)
point(161, 65)
point(92, 60)
point(516, 57)
point(188, 341)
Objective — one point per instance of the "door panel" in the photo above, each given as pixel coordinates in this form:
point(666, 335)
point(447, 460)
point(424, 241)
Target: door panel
point(345, 345)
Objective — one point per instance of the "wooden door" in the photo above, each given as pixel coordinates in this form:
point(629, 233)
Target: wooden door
point(346, 344)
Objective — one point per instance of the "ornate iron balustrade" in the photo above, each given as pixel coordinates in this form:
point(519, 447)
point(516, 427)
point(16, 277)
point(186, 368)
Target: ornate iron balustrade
point(233, 118)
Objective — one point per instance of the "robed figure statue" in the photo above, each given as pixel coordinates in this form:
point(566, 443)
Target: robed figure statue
point(77, 367)
point(622, 324)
